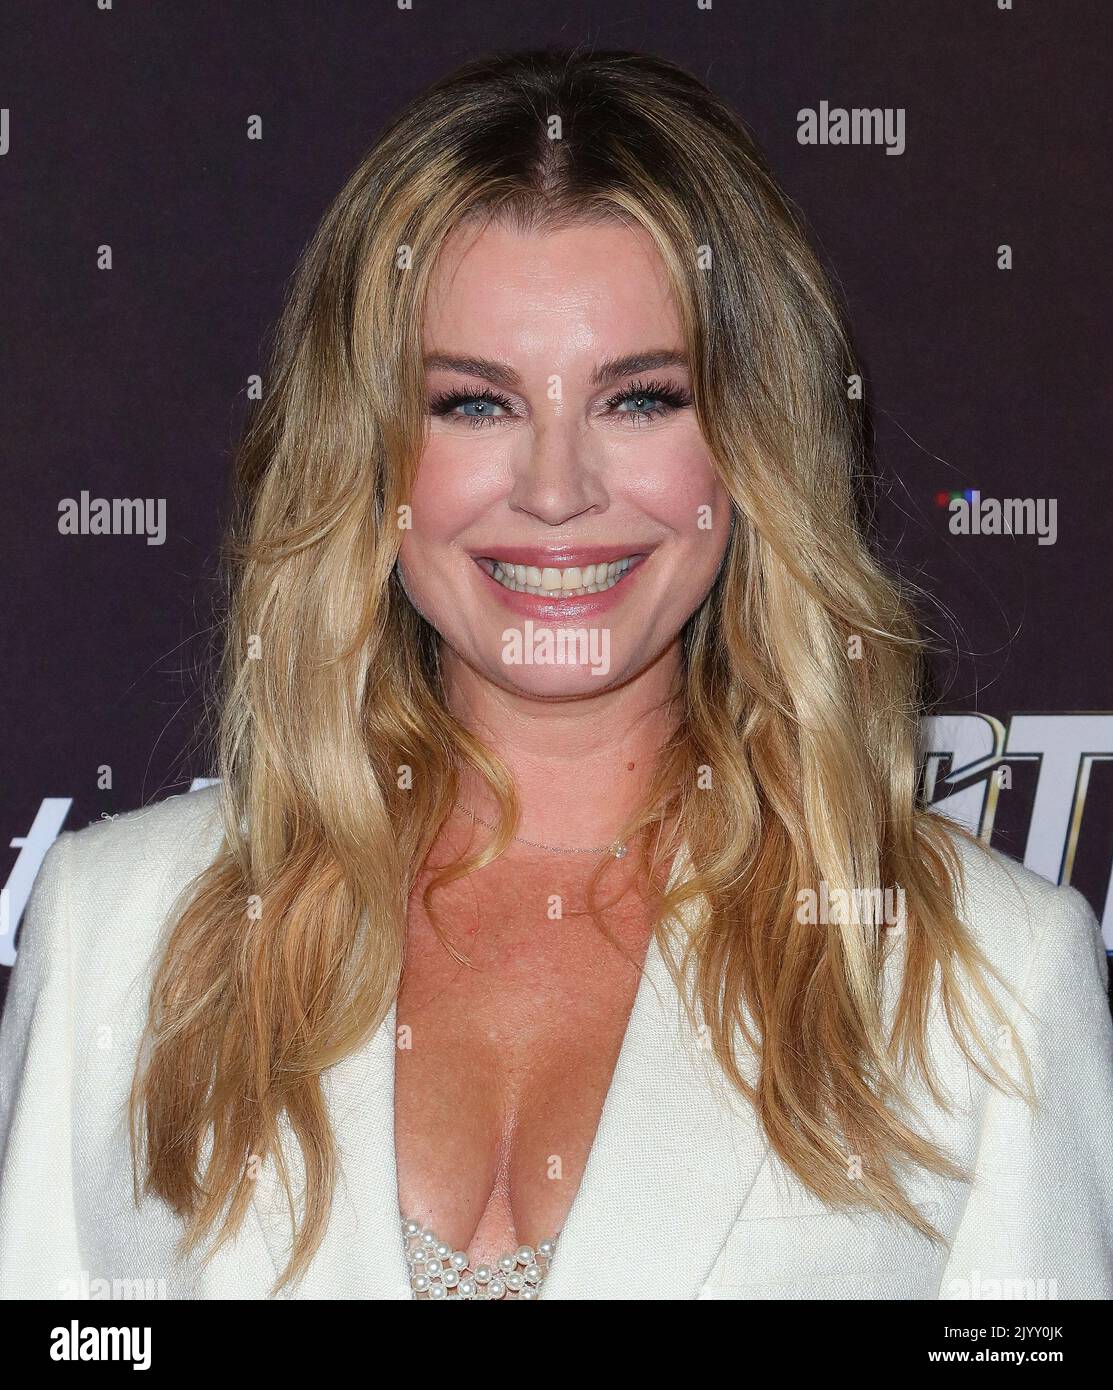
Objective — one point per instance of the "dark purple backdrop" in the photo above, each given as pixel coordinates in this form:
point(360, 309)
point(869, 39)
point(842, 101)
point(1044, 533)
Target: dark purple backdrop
point(128, 127)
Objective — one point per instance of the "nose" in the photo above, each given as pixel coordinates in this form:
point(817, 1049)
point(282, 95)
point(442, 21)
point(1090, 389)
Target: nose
point(557, 479)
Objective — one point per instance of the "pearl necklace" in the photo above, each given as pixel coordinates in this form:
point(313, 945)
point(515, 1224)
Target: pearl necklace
point(439, 1272)
point(616, 847)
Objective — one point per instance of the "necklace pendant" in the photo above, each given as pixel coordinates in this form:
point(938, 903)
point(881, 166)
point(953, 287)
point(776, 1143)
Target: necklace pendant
point(618, 850)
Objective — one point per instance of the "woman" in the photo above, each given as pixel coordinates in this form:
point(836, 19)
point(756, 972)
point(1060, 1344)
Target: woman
point(565, 923)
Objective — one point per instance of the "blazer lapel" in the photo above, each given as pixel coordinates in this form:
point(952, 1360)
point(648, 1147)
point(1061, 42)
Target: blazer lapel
point(675, 1156)
point(362, 1254)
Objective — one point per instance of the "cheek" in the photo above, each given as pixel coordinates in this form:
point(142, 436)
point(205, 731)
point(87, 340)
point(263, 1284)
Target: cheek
point(457, 480)
point(439, 502)
point(673, 480)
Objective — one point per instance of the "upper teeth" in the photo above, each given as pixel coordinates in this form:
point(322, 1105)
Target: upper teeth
point(561, 583)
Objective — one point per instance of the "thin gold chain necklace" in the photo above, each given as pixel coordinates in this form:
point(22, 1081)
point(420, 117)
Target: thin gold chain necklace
point(616, 847)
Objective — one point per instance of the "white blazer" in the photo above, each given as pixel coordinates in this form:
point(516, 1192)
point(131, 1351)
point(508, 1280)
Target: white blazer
point(680, 1198)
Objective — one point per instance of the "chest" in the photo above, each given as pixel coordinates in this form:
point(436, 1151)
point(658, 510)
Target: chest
point(510, 1023)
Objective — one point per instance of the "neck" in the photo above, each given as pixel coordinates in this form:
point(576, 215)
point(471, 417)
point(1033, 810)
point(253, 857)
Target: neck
point(580, 766)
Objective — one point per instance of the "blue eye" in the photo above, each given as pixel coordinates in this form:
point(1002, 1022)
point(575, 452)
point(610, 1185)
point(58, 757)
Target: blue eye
point(649, 400)
point(636, 404)
point(486, 404)
point(643, 405)
point(483, 409)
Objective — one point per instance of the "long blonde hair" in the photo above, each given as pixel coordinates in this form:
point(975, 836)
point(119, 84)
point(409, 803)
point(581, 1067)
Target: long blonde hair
point(800, 668)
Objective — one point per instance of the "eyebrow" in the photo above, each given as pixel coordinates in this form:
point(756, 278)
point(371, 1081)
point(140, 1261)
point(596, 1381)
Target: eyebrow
point(611, 369)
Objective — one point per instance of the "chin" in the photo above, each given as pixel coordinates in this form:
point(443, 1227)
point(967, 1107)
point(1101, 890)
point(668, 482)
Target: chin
point(554, 682)
point(553, 659)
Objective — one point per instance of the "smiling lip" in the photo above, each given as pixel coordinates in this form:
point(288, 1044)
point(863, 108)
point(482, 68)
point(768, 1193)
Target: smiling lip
point(561, 557)
point(564, 610)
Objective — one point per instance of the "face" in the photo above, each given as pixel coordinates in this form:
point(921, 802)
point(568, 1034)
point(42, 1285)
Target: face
point(566, 517)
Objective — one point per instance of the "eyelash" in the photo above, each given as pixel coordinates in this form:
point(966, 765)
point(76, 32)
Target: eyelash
point(671, 398)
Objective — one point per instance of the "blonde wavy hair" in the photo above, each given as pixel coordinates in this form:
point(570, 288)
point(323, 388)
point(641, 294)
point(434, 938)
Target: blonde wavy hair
point(331, 681)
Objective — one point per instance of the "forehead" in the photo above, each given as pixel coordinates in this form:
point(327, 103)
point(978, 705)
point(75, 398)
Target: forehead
point(585, 291)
